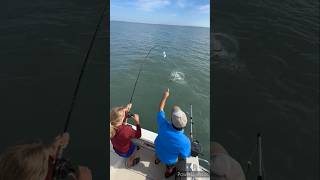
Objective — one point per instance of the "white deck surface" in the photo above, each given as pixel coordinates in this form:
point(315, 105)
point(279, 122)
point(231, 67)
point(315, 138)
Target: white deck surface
point(146, 168)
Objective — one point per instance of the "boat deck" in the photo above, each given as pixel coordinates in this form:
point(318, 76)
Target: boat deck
point(146, 169)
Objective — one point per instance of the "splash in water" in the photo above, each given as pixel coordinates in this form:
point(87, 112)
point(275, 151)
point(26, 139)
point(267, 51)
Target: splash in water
point(164, 54)
point(177, 77)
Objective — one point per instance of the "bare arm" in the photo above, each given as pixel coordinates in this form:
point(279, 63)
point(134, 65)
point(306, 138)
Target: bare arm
point(128, 107)
point(164, 99)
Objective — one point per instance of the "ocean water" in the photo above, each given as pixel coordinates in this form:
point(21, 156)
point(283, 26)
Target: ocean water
point(185, 71)
point(42, 46)
point(266, 79)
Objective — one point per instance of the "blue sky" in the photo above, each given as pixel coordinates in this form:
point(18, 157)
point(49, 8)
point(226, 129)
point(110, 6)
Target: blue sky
point(173, 12)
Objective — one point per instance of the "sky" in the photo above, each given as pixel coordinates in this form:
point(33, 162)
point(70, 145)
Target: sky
point(172, 12)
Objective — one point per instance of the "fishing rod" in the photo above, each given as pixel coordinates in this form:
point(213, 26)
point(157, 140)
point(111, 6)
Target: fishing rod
point(259, 144)
point(196, 147)
point(258, 149)
point(84, 64)
point(63, 167)
point(129, 115)
point(141, 67)
point(191, 123)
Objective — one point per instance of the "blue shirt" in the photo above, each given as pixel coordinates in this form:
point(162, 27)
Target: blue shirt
point(170, 143)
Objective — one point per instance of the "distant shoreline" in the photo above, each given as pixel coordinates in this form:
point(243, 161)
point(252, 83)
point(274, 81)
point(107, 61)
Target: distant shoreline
point(159, 24)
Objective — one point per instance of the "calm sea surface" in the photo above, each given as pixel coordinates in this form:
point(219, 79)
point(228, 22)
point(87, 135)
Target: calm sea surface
point(185, 71)
point(266, 79)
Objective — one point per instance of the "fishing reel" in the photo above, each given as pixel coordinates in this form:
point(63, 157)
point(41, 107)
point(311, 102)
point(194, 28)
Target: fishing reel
point(63, 168)
point(196, 148)
point(129, 115)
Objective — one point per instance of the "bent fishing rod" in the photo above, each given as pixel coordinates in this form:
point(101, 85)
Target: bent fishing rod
point(129, 115)
point(63, 167)
point(141, 67)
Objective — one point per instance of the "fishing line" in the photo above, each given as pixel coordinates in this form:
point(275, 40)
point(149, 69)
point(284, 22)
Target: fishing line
point(141, 67)
point(84, 64)
point(63, 167)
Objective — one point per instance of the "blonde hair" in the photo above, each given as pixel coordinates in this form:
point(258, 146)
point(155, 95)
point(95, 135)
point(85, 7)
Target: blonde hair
point(27, 162)
point(115, 119)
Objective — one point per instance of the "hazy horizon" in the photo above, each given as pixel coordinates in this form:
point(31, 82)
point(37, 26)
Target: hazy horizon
point(158, 23)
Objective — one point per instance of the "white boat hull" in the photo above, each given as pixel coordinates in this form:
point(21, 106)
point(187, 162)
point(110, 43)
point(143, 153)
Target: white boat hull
point(147, 169)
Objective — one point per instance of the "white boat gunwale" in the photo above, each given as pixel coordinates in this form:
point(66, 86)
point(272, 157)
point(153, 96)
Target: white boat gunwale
point(148, 170)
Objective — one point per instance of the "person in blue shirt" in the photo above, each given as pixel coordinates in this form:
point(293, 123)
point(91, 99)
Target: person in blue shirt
point(171, 142)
